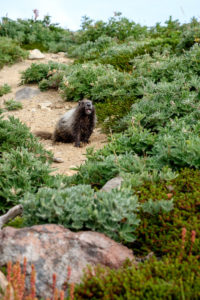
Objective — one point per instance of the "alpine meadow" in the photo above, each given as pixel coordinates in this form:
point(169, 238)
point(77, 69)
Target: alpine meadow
point(145, 85)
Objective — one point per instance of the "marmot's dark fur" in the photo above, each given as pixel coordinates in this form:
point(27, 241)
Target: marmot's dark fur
point(76, 125)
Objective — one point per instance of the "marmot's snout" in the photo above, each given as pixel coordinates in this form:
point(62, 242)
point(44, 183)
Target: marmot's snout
point(88, 108)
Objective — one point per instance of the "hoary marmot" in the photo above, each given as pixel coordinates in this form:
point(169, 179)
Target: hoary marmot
point(76, 125)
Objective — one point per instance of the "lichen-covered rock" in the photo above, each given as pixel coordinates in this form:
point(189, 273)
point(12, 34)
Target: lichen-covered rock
point(53, 248)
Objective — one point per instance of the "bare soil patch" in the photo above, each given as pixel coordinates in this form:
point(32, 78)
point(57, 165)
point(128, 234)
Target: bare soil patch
point(38, 117)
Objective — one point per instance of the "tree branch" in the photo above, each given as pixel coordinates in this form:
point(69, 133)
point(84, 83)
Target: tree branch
point(11, 214)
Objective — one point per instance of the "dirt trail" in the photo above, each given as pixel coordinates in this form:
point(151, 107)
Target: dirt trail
point(38, 118)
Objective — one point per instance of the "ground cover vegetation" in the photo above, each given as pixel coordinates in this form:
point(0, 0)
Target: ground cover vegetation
point(145, 86)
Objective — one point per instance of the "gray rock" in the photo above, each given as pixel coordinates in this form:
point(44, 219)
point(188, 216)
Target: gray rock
point(26, 93)
point(53, 248)
point(36, 54)
point(112, 184)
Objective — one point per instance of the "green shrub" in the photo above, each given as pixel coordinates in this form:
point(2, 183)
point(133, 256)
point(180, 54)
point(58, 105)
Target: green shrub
point(13, 105)
point(40, 34)
point(10, 52)
point(152, 280)
point(111, 111)
point(4, 89)
point(103, 166)
point(189, 37)
point(37, 72)
point(23, 163)
point(121, 56)
point(117, 27)
point(78, 208)
point(178, 145)
point(162, 234)
point(83, 79)
point(91, 50)
point(164, 101)
point(53, 82)
point(21, 171)
point(96, 173)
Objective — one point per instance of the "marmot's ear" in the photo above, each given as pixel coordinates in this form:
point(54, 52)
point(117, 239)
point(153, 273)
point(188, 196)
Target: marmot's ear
point(79, 102)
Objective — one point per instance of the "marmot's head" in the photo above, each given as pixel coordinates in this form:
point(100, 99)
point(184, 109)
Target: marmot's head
point(86, 106)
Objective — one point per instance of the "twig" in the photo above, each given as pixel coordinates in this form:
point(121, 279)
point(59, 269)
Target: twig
point(11, 214)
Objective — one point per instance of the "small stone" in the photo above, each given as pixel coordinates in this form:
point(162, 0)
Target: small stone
point(58, 160)
point(36, 54)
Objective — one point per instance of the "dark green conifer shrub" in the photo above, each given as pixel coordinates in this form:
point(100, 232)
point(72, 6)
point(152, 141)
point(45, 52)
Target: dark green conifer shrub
point(162, 234)
point(165, 279)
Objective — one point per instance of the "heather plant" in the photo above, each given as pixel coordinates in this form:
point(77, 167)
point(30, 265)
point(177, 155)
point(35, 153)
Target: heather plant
point(112, 110)
point(4, 89)
point(153, 279)
point(162, 235)
point(10, 52)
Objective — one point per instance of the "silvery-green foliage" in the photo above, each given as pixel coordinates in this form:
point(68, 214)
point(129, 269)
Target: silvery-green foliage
point(155, 207)
point(79, 208)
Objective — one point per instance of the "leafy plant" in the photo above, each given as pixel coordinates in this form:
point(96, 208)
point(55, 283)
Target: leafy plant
point(40, 34)
point(24, 163)
point(79, 208)
point(4, 89)
point(13, 105)
point(37, 72)
point(10, 52)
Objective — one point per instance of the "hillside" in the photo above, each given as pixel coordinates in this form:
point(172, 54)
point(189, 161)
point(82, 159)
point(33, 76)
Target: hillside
point(144, 83)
